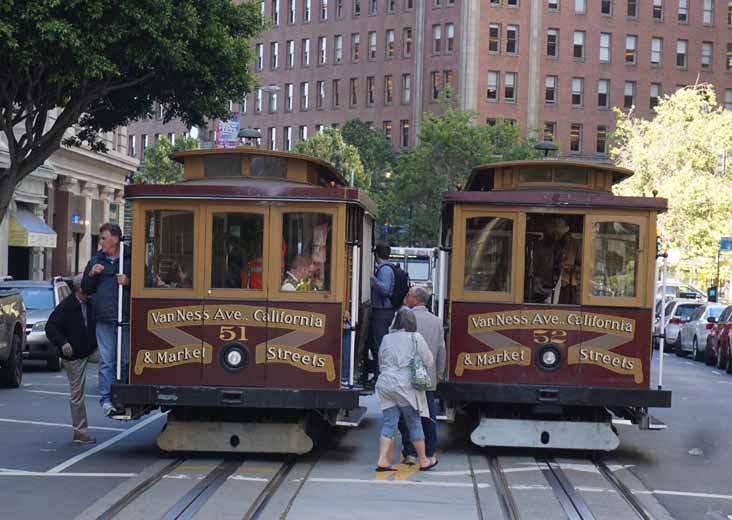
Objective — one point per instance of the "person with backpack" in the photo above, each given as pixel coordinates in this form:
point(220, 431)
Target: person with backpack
point(389, 287)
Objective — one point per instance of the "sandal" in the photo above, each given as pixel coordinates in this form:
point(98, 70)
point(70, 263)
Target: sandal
point(388, 468)
point(427, 468)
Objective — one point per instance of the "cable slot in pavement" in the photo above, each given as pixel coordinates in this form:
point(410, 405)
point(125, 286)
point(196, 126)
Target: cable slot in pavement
point(569, 499)
point(503, 490)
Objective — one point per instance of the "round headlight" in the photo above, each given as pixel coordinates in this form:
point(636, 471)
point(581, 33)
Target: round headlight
point(549, 358)
point(234, 358)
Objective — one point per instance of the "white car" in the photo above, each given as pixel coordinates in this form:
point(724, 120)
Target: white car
point(693, 334)
point(677, 312)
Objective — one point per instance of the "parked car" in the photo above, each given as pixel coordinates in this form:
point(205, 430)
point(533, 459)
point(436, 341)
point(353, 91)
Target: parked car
point(692, 337)
point(40, 298)
point(718, 330)
point(677, 312)
point(12, 339)
point(676, 289)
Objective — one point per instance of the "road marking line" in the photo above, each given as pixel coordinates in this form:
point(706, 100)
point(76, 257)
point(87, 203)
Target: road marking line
point(100, 447)
point(459, 473)
point(689, 494)
point(88, 396)
point(716, 373)
point(17, 473)
point(725, 382)
point(61, 425)
point(249, 479)
point(390, 482)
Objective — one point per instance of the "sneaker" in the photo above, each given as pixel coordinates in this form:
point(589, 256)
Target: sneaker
point(107, 409)
point(410, 460)
point(83, 438)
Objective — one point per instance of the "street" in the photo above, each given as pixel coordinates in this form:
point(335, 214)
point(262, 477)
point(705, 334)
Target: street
point(682, 472)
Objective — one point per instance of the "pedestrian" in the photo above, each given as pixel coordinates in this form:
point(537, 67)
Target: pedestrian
point(101, 281)
point(71, 328)
point(382, 309)
point(430, 327)
point(397, 396)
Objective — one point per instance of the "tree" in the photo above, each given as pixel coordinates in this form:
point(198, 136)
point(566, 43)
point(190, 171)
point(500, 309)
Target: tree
point(97, 64)
point(451, 145)
point(329, 146)
point(159, 168)
point(376, 152)
point(677, 155)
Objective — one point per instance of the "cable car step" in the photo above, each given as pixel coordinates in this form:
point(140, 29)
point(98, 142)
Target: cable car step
point(351, 418)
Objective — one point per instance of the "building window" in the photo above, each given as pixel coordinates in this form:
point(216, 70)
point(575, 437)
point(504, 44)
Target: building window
point(391, 6)
point(171, 138)
point(605, 39)
point(353, 92)
point(729, 14)
point(550, 90)
point(336, 93)
point(654, 95)
point(552, 43)
point(276, 12)
point(389, 53)
point(289, 95)
point(728, 57)
point(273, 102)
point(580, 6)
point(339, 9)
point(492, 87)
point(406, 88)
point(681, 50)
point(606, 7)
point(512, 32)
point(575, 137)
point(272, 135)
point(629, 94)
point(322, 50)
point(323, 10)
point(243, 104)
point(631, 49)
point(320, 100)
point(658, 10)
point(550, 130)
point(553, 5)
point(260, 57)
point(373, 7)
point(449, 38)
point(706, 55)
point(512, 3)
point(370, 94)
point(577, 92)
point(708, 14)
point(287, 139)
point(372, 46)
point(355, 44)
point(304, 96)
point(683, 14)
point(338, 48)
point(436, 39)
point(386, 127)
point(728, 99)
point(290, 54)
point(291, 12)
point(407, 42)
point(306, 11)
point(303, 132)
point(388, 89)
point(274, 56)
point(601, 140)
point(404, 132)
point(494, 38)
point(356, 8)
point(257, 100)
point(603, 93)
point(438, 3)
point(578, 51)
point(306, 52)
point(447, 86)
point(656, 51)
point(408, 5)
point(509, 87)
point(632, 10)
point(132, 145)
point(435, 85)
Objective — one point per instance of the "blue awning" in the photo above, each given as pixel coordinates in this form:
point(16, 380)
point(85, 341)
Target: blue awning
point(27, 230)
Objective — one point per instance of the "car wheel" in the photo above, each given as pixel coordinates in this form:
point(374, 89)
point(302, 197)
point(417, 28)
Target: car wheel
point(698, 356)
point(11, 373)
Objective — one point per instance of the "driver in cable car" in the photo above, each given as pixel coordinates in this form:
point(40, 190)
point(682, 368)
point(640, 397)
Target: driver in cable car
point(558, 282)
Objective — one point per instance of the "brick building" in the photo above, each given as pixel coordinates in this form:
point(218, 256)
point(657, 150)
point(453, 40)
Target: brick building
point(556, 67)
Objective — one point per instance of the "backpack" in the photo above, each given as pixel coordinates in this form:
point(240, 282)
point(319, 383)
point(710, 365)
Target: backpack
point(401, 285)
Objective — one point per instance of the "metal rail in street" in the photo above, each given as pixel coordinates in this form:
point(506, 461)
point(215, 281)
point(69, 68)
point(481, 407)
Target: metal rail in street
point(564, 490)
point(503, 489)
point(623, 490)
point(190, 503)
point(260, 504)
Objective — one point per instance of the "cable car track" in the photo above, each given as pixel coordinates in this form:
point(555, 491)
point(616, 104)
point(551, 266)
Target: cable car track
point(259, 505)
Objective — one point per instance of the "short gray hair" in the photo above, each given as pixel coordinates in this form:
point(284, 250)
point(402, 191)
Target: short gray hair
point(77, 282)
point(405, 320)
point(420, 294)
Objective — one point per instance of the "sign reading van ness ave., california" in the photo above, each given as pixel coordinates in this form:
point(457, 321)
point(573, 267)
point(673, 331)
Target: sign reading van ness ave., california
point(600, 335)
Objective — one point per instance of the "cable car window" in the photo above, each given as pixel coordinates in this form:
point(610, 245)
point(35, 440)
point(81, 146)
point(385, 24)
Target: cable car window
point(169, 249)
point(571, 175)
point(307, 239)
point(553, 258)
point(488, 254)
point(236, 256)
point(535, 174)
point(615, 271)
point(266, 166)
point(222, 166)
point(418, 269)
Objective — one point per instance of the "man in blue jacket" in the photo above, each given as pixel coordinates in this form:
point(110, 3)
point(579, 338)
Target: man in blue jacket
point(382, 309)
point(101, 281)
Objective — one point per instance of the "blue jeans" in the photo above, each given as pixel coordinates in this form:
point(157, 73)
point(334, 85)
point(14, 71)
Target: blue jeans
point(429, 426)
point(107, 341)
point(411, 419)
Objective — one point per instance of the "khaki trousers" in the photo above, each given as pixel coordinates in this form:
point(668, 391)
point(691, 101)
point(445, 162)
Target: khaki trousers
point(75, 370)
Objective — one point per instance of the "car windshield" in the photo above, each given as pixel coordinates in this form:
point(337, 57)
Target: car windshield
point(685, 310)
point(714, 312)
point(36, 298)
point(418, 269)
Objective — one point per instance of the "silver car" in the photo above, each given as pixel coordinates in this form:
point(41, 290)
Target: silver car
point(677, 312)
point(693, 335)
point(40, 298)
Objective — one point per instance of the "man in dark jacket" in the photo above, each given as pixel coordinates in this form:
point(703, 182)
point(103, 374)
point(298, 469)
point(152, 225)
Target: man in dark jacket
point(71, 328)
point(101, 281)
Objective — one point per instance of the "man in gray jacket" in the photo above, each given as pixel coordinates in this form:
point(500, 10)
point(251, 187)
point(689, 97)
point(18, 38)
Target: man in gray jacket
point(430, 327)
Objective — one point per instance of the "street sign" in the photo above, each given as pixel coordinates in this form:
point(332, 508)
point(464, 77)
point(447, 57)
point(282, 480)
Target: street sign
point(725, 244)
